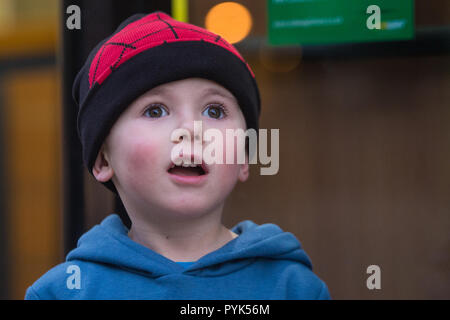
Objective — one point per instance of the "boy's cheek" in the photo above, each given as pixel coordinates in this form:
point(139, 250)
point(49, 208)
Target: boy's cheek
point(143, 156)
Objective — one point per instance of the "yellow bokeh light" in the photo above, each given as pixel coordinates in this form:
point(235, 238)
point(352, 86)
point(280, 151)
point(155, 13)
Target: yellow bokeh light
point(230, 20)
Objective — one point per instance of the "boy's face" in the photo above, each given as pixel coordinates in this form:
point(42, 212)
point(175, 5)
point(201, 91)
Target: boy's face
point(136, 154)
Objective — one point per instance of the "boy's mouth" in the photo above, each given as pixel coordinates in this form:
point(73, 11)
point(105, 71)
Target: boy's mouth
point(188, 169)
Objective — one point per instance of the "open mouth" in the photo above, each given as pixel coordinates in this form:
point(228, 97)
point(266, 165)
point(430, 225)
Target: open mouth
point(188, 170)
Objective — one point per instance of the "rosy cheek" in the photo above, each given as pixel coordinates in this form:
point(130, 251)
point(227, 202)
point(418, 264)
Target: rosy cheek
point(143, 155)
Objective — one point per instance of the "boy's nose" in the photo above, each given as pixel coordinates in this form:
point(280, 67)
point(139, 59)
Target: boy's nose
point(194, 127)
point(190, 138)
point(190, 131)
point(193, 136)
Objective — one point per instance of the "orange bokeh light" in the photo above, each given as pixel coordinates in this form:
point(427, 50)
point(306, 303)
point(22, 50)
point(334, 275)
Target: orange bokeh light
point(230, 20)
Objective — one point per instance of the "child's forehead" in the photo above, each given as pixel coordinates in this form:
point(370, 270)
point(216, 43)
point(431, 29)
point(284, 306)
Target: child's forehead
point(194, 86)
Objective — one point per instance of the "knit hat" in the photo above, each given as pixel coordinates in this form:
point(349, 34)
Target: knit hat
point(145, 51)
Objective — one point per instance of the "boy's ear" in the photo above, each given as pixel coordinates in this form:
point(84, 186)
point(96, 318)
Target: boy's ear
point(102, 169)
point(244, 170)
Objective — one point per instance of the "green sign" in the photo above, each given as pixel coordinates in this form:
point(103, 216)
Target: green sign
point(332, 21)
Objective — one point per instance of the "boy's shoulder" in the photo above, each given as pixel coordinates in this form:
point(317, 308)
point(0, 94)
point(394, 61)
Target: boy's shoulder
point(297, 278)
point(303, 283)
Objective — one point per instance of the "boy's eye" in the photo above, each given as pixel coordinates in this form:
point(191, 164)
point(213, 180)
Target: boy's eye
point(155, 111)
point(215, 111)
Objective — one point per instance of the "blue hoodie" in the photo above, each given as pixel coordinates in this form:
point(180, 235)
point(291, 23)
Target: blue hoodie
point(263, 262)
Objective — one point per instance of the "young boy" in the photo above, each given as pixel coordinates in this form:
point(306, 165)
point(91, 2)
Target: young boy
point(152, 76)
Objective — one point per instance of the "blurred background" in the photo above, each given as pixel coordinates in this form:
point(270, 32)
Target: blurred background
point(364, 119)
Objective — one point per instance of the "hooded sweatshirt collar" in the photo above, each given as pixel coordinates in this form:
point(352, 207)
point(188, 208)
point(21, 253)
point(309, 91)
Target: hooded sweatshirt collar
point(108, 243)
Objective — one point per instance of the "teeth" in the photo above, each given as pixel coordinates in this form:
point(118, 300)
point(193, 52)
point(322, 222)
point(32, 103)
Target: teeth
point(192, 165)
point(186, 164)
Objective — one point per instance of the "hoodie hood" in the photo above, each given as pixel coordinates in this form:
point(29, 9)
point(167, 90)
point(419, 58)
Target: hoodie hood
point(108, 243)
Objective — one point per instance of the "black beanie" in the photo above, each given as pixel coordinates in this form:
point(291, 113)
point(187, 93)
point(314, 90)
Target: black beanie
point(145, 51)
